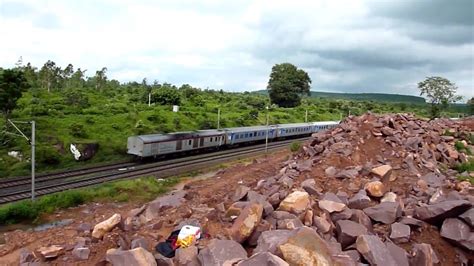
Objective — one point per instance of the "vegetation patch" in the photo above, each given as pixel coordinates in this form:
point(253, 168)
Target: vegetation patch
point(465, 167)
point(295, 146)
point(137, 190)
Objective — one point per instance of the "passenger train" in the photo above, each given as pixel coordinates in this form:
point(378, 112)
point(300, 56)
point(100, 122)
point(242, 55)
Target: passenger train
point(162, 144)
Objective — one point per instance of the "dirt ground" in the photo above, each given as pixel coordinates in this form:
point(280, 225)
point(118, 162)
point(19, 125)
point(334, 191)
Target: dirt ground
point(207, 190)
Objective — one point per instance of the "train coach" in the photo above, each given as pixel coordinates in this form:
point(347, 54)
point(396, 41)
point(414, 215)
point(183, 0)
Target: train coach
point(161, 144)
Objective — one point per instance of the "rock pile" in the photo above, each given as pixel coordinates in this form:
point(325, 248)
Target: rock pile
point(376, 190)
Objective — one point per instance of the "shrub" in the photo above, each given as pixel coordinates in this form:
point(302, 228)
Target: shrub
point(77, 130)
point(295, 146)
point(48, 155)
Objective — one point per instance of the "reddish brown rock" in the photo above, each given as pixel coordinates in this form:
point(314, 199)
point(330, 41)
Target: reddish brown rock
point(263, 258)
point(270, 240)
point(138, 256)
point(248, 219)
point(383, 171)
point(436, 213)
point(423, 255)
point(468, 217)
point(375, 189)
point(217, 252)
point(398, 254)
point(236, 208)
point(306, 247)
point(359, 201)
point(331, 203)
point(348, 231)
point(385, 212)
point(103, 227)
point(374, 251)
point(240, 193)
point(309, 185)
point(187, 256)
point(400, 233)
point(458, 233)
point(155, 207)
point(296, 202)
point(51, 251)
point(263, 226)
point(360, 217)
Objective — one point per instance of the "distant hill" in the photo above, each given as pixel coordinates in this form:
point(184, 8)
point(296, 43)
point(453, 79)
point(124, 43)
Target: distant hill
point(379, 97)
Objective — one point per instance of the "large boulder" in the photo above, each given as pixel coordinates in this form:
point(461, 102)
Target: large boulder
point(374, 250)
point(296, 202)
point(385, 212)
point(137, 256)
point(458, 232)
point(155, 208)
point(218, 252)
point(306, 247)
point(187, 256)
point(398, 254)
point(348, 231)
point(105, 226)
point(245, 224)
point(270, 240)
point(263, 258)
point(436, 213)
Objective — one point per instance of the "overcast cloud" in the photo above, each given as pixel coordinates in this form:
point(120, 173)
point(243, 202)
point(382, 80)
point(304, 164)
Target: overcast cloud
point(345, 46)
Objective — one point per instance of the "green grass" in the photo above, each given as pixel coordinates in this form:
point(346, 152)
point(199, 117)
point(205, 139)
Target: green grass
point(137, 190)
point(295, 146)
point(466, 178)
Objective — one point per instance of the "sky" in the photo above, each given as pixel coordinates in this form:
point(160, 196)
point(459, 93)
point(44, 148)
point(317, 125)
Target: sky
point(384, 46)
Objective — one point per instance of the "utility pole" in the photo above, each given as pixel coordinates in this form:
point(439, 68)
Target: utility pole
point(32, 142)
point(149, 99)
point(218, 118)
point(266, 137)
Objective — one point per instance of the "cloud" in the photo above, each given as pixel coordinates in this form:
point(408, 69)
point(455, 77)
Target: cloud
point(353, 46)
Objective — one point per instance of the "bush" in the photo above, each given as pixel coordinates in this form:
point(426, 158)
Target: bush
point(295, 146)
point(77, 130)
point(48, 155)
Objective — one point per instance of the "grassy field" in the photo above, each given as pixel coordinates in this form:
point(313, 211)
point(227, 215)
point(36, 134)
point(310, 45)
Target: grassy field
point(136, 190)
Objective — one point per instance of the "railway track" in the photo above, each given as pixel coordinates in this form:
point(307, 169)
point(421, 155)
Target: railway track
point(21, 190)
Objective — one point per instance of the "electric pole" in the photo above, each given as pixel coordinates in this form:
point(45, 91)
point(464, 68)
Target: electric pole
point(32, 142)
point(266, 136)
point(218, 118)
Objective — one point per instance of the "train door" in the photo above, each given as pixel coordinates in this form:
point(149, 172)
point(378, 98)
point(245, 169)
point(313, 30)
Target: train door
point(201, 144)
point(179, 145)
point(195, 143)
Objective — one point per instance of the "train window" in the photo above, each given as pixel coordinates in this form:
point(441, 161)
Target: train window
point(189, 142)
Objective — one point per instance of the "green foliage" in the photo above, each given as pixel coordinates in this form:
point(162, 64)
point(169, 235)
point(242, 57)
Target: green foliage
point(466, 178)
point(286, 84)
point(295, 146)
point(470, 104)
point(166, 95)
point(467, 166)
point(12, 85)
point(48, 155)
point(77, 130)
point(440, 92)
point(139, 190)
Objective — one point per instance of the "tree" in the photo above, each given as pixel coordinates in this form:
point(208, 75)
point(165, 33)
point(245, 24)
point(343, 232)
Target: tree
point(470, 104)
point(166, 95)
point(12, 85)
point(100, 78)
point(67, 75)
point(286, 85)
point(49, 75)
point(440, 93)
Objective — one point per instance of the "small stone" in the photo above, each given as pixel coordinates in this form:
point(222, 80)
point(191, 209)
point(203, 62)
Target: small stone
point(240, 193)
point(359, 201)
point(385, 212)
point(236, 208)
point(375, 189)
point(81, 253)
point(139, 242)
point(331, 203)
point(389, 197)
point(322, 223)
point(468, 217)
point(26, 256)
point(410, 221)
point(51, 251)
point(400, 233)
point(348, 231)
point(262, 227)
point(102, 228)
point(383, 171)
point(309, 185)
point(360, 217)
point(330, 171)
